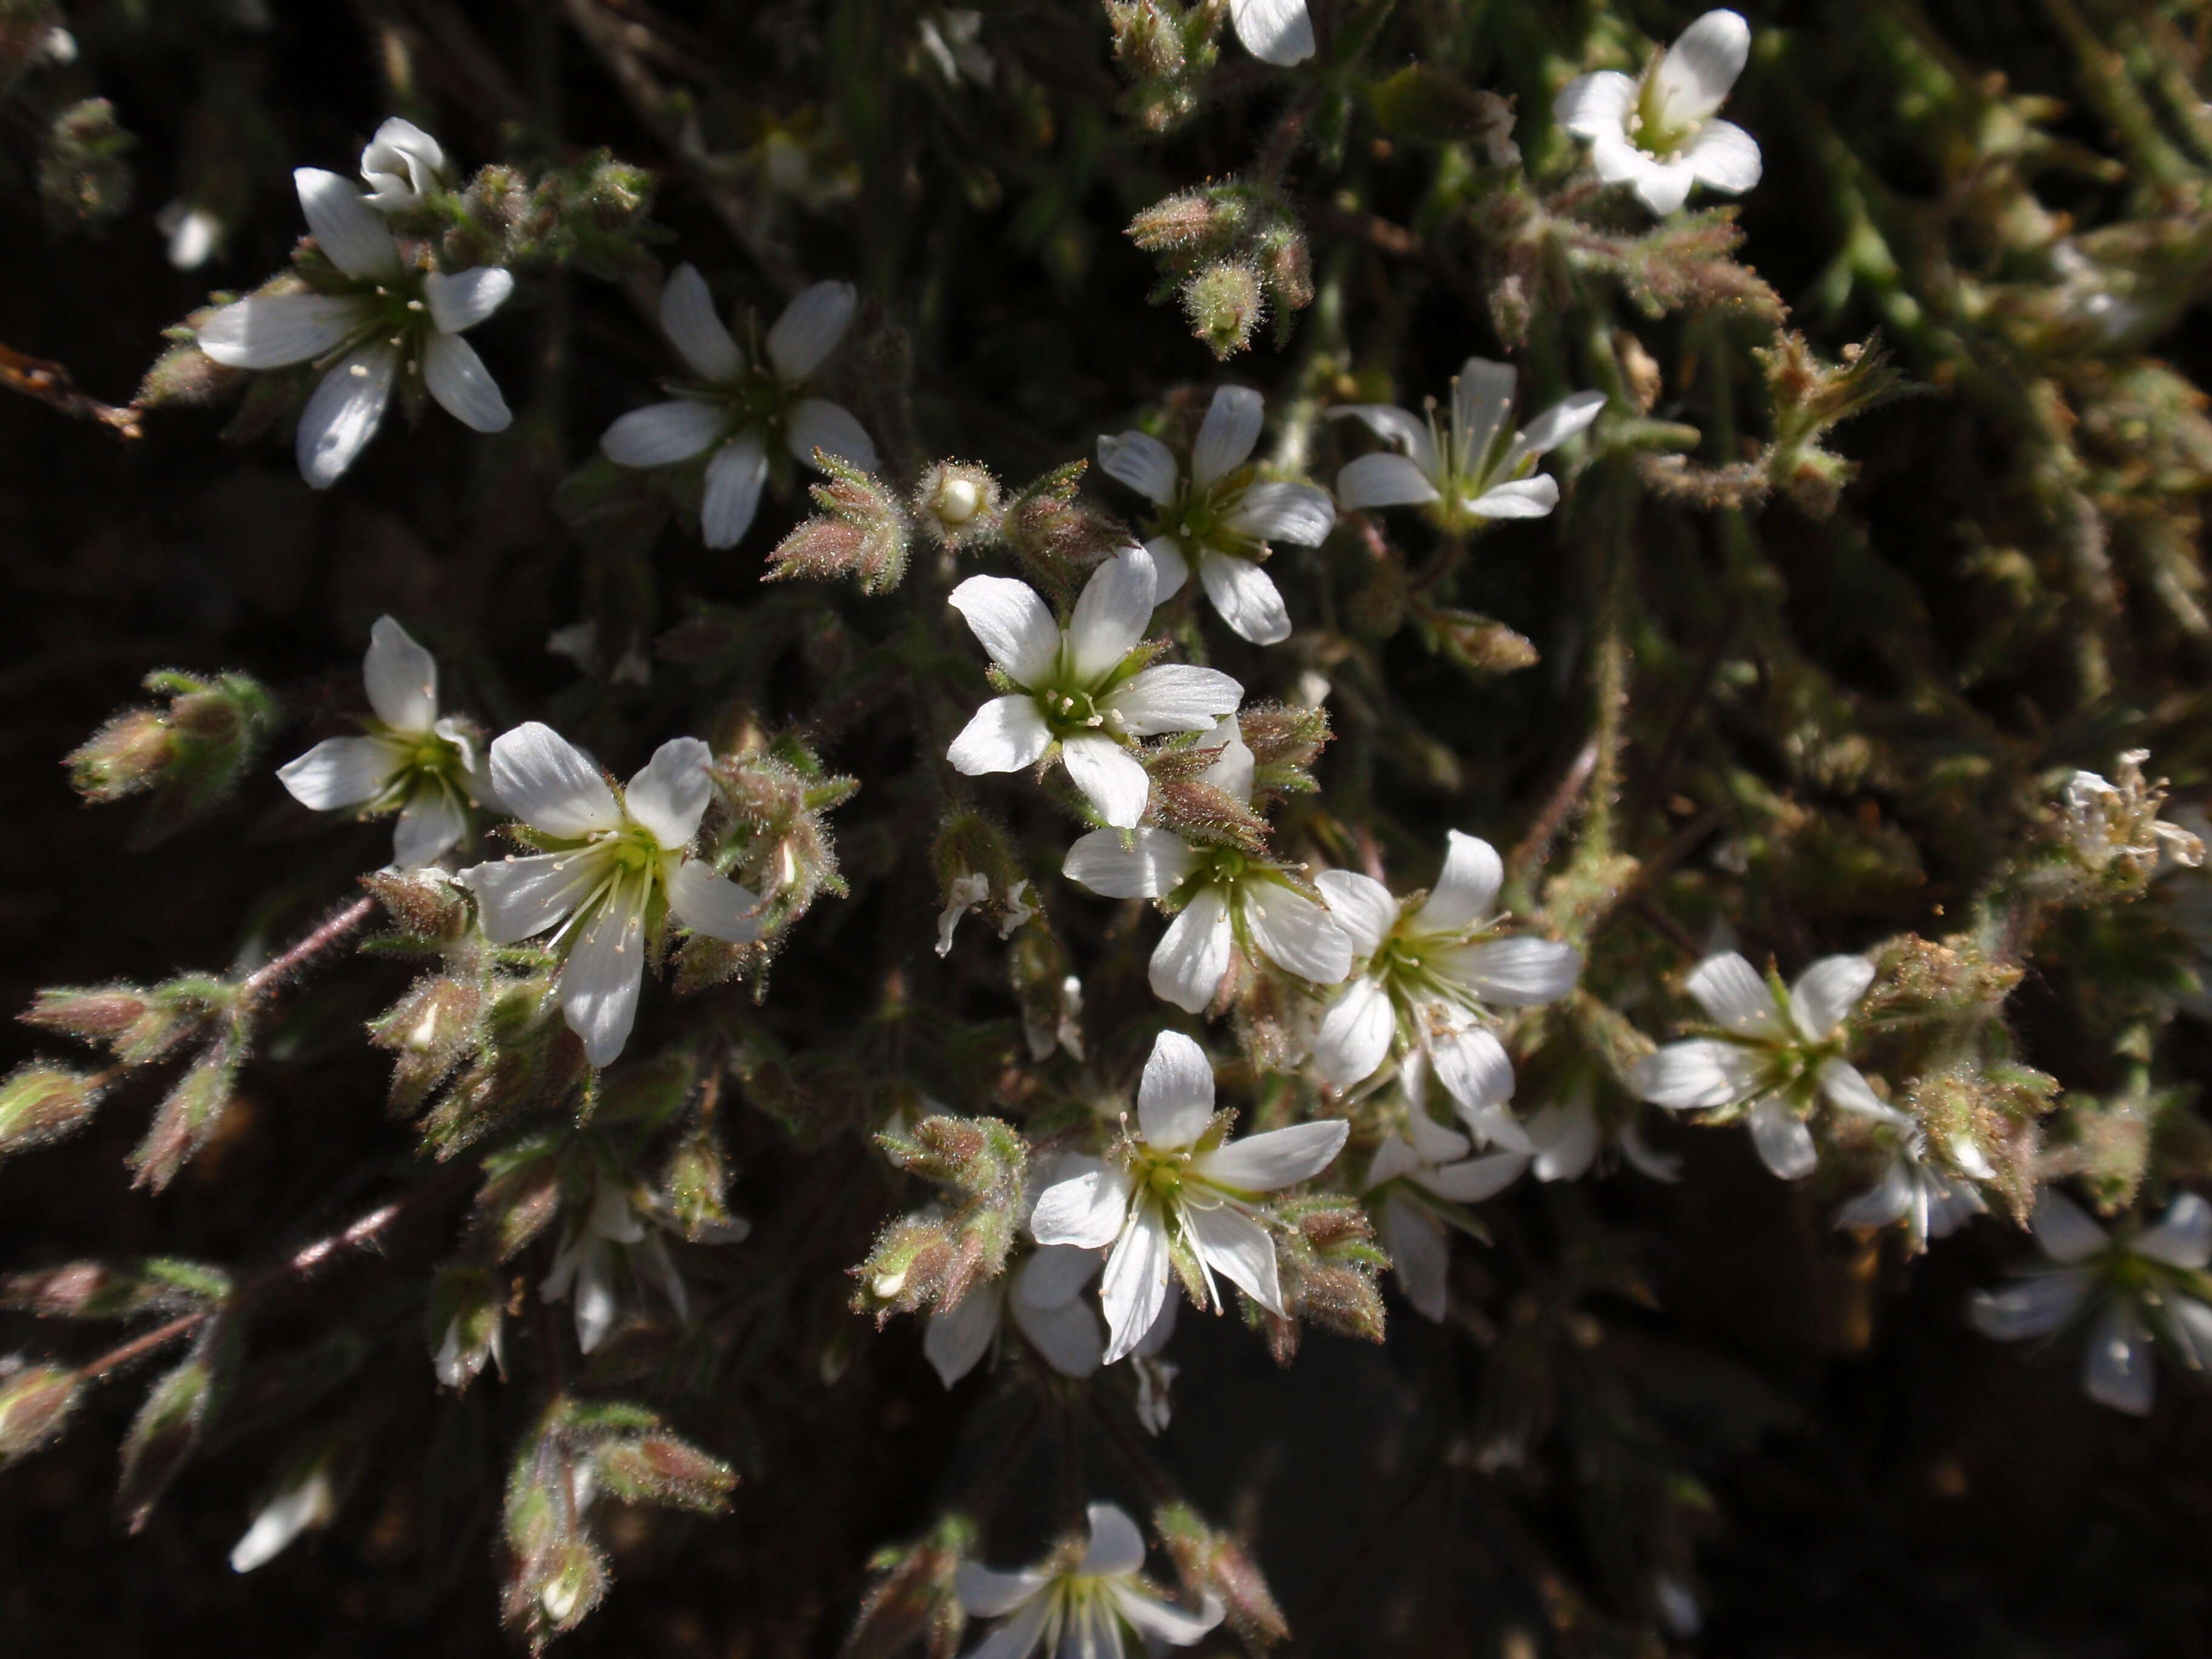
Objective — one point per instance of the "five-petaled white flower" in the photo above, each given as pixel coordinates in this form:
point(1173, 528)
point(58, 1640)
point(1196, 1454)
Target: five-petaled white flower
point(1076, 1606)
point(616, 870)
point(393, 318)
point(401, 165)
point(1658, 133)
point(616, 1230)
point(740, 404)
point(1777, 1059)
point(1222, 517)
point(1181, 1196)
point(1277, 31)
point(1433, 973)
point(411, 760)
point(1932, 1203)
point(1045, 1295)
point(1474, 469)
point(1224, 899)
point(2153, 1282)
point(1085, 688)
point(1421, 1177)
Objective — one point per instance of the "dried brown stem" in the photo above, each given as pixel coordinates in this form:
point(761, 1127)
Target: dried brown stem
point(54, 386)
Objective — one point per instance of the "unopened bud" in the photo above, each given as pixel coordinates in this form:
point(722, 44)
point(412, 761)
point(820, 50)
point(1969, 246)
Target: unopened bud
point(188, 755)
point(187, 1118)
point(41, 1102)
point(165, 1434)
point(428, 1030)
point(659, 1469)
point(958, 503)
point(1225, 306)
point(464, 1323)
point(126, 755)
point(1479, 645)
point(1207, 1560)
point(35, 1404)
point(425, 904)
point(860, 532)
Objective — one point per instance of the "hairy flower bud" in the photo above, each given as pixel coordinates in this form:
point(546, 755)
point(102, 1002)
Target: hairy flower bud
point(464, 1322)
point(430, 1030)
point(187, 756)
point(1479, 645)
point(957, 504)
point(861, 532)
point(187, 1116)
point(41, 1102)
point(913, 1597)
point(1208, 1560)
point(1060, 538)
point(36, 1402)
point(166, 1433)
point(1225, 306)
point(658, 1469)
point(427, 905)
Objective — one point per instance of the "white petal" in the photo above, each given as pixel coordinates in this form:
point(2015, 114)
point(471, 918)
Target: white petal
point(1663, 186)
point(1421, 1251)
point(1702, 1072)
point(427, 825)
point(1847, 1088)
point(1466, 889)
point(1355, 1034)
point(2183, 1236)
point(454, 375)
point(1277, 1158)
point(1229, 429)
point(550, 784)
point(1085, 1208)
point(2117, 1368)
point(1397, 426)
point(352, 233)
point(1140, 461)
point(1883, 1204)
point(1362, 907)
point(1594, 104)
point(661, 434)
point(1110, 776)
point(1110, 614)
point(1247, 598)
point(2189, 1323)
point(1116, 1547)
point(1784, 1143)
point(1169, 565)
point(1522, 972)
point(402, 678)
point(956, 1337)
point(1238, 1249)
point(2035, 1307)
point(1494, 1125)
point(1007, 734)
point(338, 773)
point(1724, 157)
point(1012, 625)
point(986, 1593)
point(269, 330)
point(1520, 498)
point(669, 793)
point(1232, 772)
point(1297, 512)
point(1568, 1136)
point(689, 319)
point(1824, 994)
point(1068, 1336)
point(734, 477)
point(2066, 1234)
point(306, 1504)
point(1018, 1637)
point(518, 898)
point(1294, 932)
point(402, 153)
point(1054, 1276)
point(1155, 862)
point(817, 423)
point(1432, 1141)
point(599, 981)
point(1173, 697)
point(1382, 480)
point(1700, 67)
point(1192, 955)
point(1135, 1282)
point(1174, 1099)
point(595, 1297)
point(343, 412)
point(1472, 1065)
point(1277, 32)
point(712, 905)
point(1156, 1619)
point(465, 299)
point(1561, 422)
point(1476, 1178)
point(1482, 402)
point(1733, 995)
point(809, 328)
point(1646, 1157)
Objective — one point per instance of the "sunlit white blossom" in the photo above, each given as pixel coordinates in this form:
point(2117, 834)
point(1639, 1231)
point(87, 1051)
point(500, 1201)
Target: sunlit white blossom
point(2117, 821)
point(306, 1501)
point(1082, 694)
point(195, 232)
point(1473, 467)
point(1277, 31)
point(2140, 1286)
point(616, 868)
point(388, 322)
point(1225, 901)
point(401, 165)
point(1932, 1203)
point(1772, 1058)
point(411, 760)
point(742, 403)
point(1045, 1295)
point(1658, 134)
point(617, 1238)
point(1221, 515)
point(1080, 1605)
point(1180, 1197)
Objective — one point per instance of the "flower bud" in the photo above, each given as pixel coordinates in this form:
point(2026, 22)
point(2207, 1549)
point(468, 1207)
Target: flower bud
point(913, 1598)
point(84, 173)
point(165, 1434)
point(958, 503)
point(426, 905)
point(659, 1469)
point(187, 1118)
point(430, 1030)
point(1476, 644)
point(464, 1328)
point(1208, 1560)
point(35, 1404)
point(1225, 306)
point(307, 1499)
point(41, 1103)
point(1057, 536)
point(1184, 221)
point(861, 532)
point(187, 756)
point(126, 755)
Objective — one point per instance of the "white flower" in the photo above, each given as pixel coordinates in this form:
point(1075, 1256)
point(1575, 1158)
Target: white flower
point(1477, 468)
point(737, 408)
point(2150, 1283)
point(1658, 134)
point(308, 1500)
point(412, 761)
point(613, 1232)
point(1045, 1294)
point(1277, 31)
point(1776, 1061)
point(1085, 688)
point(1225, 900)
point(1221, 517)
point(194, 233)
point(402, 164)
point(2106, 823)
point(1180, 1191)
point(1077, 1607)
point(1431, 974)
point(1931, 1204)
point(395, 319)
point(617, 869)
